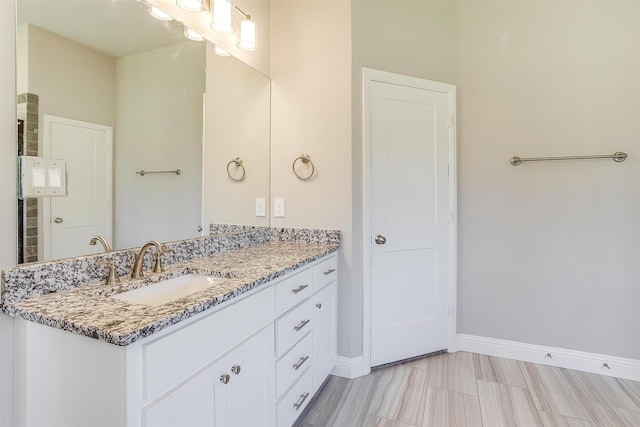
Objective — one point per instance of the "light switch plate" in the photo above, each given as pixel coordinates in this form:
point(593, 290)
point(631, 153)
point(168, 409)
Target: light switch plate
point(261, 204)
point(278, 208)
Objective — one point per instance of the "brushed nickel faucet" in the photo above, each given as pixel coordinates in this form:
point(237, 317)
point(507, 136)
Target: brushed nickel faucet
point(157, 266)
point(102, 240)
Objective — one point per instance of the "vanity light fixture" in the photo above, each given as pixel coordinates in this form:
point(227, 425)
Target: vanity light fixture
point(247, 34)
point(220, 51)
point(191, 5)
point(221, 17)
point(159, 14)
point(192, 35)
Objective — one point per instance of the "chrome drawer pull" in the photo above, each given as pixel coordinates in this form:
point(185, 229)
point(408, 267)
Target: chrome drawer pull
point(328, 272)
point(301, 325)
point(300, 362)
point(299, 288)
point(224, 378)
point(300, 401)
point(236, 369)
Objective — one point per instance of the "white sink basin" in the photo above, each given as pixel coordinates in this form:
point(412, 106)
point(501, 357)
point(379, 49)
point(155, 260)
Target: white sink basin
point(169, 290)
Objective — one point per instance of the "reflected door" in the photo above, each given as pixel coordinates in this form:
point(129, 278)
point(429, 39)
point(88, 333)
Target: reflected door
point(70, 222)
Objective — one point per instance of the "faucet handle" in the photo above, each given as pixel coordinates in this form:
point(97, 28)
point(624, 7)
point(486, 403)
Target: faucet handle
point(158, 267)
point(112, 278)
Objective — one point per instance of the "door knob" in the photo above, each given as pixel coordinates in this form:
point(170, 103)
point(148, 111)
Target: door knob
point(380, 240)
point(58, 220)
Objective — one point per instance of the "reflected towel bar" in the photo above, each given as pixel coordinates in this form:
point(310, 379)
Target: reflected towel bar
point(616, 157)
point(143, 173)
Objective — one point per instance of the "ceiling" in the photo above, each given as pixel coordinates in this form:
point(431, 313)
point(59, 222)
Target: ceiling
point(114, 27)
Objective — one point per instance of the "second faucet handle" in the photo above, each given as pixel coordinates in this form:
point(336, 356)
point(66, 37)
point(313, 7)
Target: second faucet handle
point(112, 278)
point(158, 267)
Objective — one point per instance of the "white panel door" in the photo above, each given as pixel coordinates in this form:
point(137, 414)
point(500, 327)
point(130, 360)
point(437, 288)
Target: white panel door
point(192, 404)
point(86, 211)
point(409, 221)
point(251, 389)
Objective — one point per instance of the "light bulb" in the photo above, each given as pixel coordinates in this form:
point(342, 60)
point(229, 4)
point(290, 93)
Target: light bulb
point(158, 14)
point(247, 34)
point(221, 17)
point(191, 5)
point(192, 35)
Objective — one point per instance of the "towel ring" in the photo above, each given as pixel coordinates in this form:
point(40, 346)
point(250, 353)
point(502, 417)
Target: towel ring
point(305, 159)
point(238, 162)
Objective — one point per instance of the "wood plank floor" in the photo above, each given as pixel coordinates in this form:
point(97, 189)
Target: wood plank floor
point(472, 390)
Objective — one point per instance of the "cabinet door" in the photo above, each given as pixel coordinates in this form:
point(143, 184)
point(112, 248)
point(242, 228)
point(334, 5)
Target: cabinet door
point(251, 388)
point(192, 404)
point(324, 333)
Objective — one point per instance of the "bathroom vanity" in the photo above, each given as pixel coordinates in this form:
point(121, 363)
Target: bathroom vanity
point(250, 353)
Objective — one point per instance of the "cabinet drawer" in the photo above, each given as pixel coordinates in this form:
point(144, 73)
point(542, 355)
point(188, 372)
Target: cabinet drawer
point(293, 326)
point(294, 363)
point(291, 291)
point(173, 357)
point(325, 272)
point(294, 402)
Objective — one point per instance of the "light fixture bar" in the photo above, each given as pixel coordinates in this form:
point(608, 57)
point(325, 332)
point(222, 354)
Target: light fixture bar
point(244, 15)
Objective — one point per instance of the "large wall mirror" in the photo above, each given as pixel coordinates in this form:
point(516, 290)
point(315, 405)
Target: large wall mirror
point(114, 92)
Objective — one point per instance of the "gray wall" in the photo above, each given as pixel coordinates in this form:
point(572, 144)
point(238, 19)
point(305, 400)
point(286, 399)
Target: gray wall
point(548, 253)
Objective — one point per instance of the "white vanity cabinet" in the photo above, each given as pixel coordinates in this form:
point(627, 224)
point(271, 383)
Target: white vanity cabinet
point(221, 394)
point(306, 336)
point(255, 360)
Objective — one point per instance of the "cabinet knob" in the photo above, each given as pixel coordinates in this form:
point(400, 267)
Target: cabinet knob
point(224, 378)
point(319, 305)
point(235, 369)
point(58, 220)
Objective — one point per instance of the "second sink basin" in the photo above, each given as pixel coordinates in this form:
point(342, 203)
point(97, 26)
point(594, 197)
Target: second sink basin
point(169, 290)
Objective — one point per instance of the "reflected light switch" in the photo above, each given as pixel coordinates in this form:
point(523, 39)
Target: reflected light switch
point(37, 177)
point(261, 209)
point(278, 208)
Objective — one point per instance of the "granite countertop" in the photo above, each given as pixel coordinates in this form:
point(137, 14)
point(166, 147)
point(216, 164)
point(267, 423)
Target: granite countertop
point(89, 310)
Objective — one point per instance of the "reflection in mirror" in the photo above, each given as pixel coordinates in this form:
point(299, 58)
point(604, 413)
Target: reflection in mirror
point(236, 175)
point(114, 102)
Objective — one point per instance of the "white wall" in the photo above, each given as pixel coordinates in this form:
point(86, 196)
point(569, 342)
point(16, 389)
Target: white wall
point(237, 124)
point(549, 252)
point(71, 80)
point(8, 201)
point(311, 113)
point(159, 115)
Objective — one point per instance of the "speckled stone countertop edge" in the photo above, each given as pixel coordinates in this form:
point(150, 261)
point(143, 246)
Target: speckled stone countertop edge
point(28, 309)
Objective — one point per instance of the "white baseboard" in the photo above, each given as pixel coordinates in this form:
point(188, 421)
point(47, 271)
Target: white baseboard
point(350, 367)
point(553, 356)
